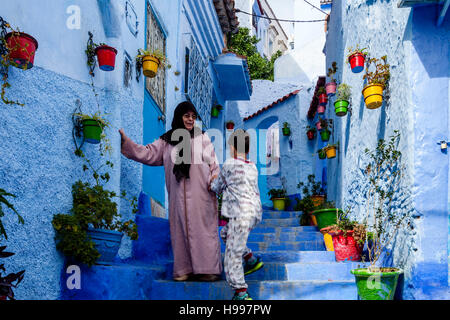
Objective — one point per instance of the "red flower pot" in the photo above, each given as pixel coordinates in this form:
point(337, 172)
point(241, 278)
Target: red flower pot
point(106, 56)
point(321, 109)
point(357, 62)
point(345, 247)
point(310, 135)
point(22, 48)
point(323, 99)
point(330, 87)
point(230, 126)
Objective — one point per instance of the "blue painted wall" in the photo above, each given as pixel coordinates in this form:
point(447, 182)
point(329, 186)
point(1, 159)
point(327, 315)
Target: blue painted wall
point(418, 53)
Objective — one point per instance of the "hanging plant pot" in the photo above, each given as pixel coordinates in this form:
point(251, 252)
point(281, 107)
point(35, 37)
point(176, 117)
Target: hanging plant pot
point(323, 99)
point(318, 126)
point(106, 56)
point(357, 61)
point(214, 112)
point(230, 125)
point(325, 135)
point(322, 154)
point(331, 152)
point(341, 107)
point(310, 134)
point(378, 285)
point(279, 203)
point(345, 246)
point(321, 109)
point(286, 131)
point(330, 87)
point(150, 66)
point(22, 48)
point(107, 242)
point(92, 131)
point(373, 95)
point(326, 217)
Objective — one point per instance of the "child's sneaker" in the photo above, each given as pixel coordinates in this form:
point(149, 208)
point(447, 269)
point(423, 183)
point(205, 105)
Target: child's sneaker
point(241, 296)
point(252, 266)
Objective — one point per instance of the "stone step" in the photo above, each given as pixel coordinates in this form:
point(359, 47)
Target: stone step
point(296, 256)
point(284, 222)
point(286, 245)
point(280, 214)
point(266, 229)
point(258, 290)
point(288, 236)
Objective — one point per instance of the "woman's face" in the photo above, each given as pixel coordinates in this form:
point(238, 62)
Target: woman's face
point(189, 120)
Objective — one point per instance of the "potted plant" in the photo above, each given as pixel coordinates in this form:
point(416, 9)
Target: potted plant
point(377, 81)
point(322, 95)
point(93, 126)
point(330, 150)
point(229, 125)
point(17, 49)
point(342, 100)
point(306, 206)
point(286, 129)
point(151, 60)
point(324, 125)
point(356, 57)
point(215, 111)
point(348, 238)
point(106, 55)
point(322, 154)
point(93, 231)
point(383, 170)
point(321, 109)
point(278, 197)
point(9, 281)
point(310, 132)
point(330, 87)
point(326, 213)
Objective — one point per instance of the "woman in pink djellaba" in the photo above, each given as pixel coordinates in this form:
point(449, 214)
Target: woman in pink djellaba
point(192, 206)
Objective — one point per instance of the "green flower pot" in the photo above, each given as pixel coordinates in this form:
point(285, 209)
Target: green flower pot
point(341, 107)
point(322, 154)
point(286, 131)
point(325, 135)
point(376, 285)
point(214, 112)
point(92, 131)
point(326, 217)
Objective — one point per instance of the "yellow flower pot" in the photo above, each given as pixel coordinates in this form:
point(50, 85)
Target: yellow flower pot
point(328, 239)
point(331, 152)
point(373, 95)
point(279, 203)
point(150, 66)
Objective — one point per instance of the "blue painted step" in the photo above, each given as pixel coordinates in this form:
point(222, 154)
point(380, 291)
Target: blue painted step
point(286, 245)
point(287, 236)
point(296, 256)
point(286, 222)
point(280, 214)
point(259, 290)
point(266, 229)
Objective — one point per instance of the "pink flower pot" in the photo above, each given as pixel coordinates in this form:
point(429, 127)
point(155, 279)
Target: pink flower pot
point(321, 109)
point(318, 126)
point(330, 88)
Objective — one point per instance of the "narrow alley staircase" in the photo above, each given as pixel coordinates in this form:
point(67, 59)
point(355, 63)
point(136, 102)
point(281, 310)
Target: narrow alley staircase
point(297, 267)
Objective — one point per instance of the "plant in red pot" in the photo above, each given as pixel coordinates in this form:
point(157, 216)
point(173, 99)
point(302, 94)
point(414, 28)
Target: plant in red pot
point(106, 55)
point(310, 132)
point(322, 96)
point(330, 87)
point(17, 49)
point(356, 57)
point(230, 125)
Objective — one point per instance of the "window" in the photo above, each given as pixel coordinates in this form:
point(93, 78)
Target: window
point(156, 39)
point(127, 72)
point(131, 17)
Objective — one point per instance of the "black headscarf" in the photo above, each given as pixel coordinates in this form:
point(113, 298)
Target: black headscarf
point(181, 170)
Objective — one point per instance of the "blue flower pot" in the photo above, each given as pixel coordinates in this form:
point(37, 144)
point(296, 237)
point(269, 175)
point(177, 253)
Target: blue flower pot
point(107, 242)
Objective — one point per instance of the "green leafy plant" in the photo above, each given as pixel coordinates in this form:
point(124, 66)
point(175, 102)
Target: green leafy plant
point(6, 60)
point(311, 187)
point(383, 170)
point(230, 122)
point(321, 90)
point(352, 51)
point(311, 128)
point(156, 53)
point(326, 123)
point(381, 74)
point(277, 193)
point(4, 202)
point(332, 71)
point(243, 44)
point(344, 224)
point(92, 206)
point(344, 92)
point(9, 281)
point(285, 125)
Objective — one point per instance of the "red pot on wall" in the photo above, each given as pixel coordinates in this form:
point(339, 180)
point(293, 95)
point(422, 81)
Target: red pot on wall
point(357, 61)
point(345, 247)
point(106, 56)
point(22, 48)
point(230, 126)
point(323, 99)
point(310, 135)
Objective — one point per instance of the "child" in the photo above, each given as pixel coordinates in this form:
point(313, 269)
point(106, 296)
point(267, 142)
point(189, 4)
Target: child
point(238, 181)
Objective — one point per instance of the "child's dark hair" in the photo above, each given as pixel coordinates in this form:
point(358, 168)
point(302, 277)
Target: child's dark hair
point(240, 140)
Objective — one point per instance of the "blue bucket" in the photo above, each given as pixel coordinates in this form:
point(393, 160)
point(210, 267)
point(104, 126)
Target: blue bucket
point(107, 242)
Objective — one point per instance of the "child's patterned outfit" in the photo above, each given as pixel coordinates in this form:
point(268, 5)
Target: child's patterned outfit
point(241, 203)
